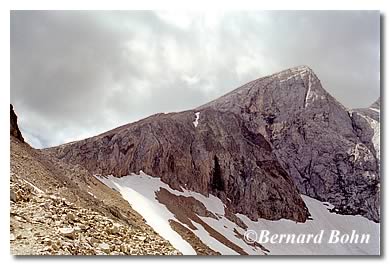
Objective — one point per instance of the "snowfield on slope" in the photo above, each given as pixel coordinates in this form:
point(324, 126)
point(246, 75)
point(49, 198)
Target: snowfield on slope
point(322, 220)
point(140, 191)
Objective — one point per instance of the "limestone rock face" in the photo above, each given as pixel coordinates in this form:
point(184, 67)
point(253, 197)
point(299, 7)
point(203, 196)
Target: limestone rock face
point(14, 130)
point(219, 154)
point(331, 153)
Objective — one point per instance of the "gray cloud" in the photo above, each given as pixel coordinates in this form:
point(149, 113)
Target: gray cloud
point(78, 73)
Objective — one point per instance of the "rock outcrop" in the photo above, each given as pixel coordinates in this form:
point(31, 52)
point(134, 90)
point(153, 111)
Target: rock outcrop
point(328, 150)
point(15, 132)
point(211, 152)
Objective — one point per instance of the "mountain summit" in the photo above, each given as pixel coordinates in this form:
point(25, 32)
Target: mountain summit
point(332, 153)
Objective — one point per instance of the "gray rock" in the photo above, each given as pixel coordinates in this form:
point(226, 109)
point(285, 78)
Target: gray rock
point(13, 196)
point(221, 156)
point(327, 150)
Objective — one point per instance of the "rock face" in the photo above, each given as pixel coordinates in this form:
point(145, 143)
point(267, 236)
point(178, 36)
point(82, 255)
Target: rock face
point(14, 126)
point(253, 148)
point(217, 154)
point(366, 123)
point(331, 153)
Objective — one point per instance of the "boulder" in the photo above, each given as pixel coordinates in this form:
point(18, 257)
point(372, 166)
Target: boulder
point(68, 232)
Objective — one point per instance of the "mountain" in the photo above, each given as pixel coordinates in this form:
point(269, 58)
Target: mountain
point(216, 155)
point(329, 151)
point(259, 135)
point(278, 154)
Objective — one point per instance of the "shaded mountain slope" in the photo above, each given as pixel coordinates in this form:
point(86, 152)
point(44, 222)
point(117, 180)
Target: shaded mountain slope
point(211, 152)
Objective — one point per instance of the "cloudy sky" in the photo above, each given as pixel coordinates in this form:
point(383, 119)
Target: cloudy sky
point(77, 74)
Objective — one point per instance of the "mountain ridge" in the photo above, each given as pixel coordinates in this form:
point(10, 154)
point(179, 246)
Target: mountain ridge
point(307, 129)
point(177, 151)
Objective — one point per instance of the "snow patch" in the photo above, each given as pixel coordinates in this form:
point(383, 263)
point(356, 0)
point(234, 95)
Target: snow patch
point(196, 119)
point(322, 220)
point(376, 110)
point(376, 137)
point(140, 191)
point(376, 126)
point(308, 92)
point(210, 241)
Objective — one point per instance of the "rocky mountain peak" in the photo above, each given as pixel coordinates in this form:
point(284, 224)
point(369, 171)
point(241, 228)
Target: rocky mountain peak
point(295, 88)
point(14, 129)
point(302, 70)
point(314, 137)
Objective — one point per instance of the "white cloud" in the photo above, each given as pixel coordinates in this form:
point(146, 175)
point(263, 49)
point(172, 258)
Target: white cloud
point(191, 80)
point(77, 73)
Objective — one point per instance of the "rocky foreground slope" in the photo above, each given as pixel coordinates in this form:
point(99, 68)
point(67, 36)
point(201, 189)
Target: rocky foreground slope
point(60, 209)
